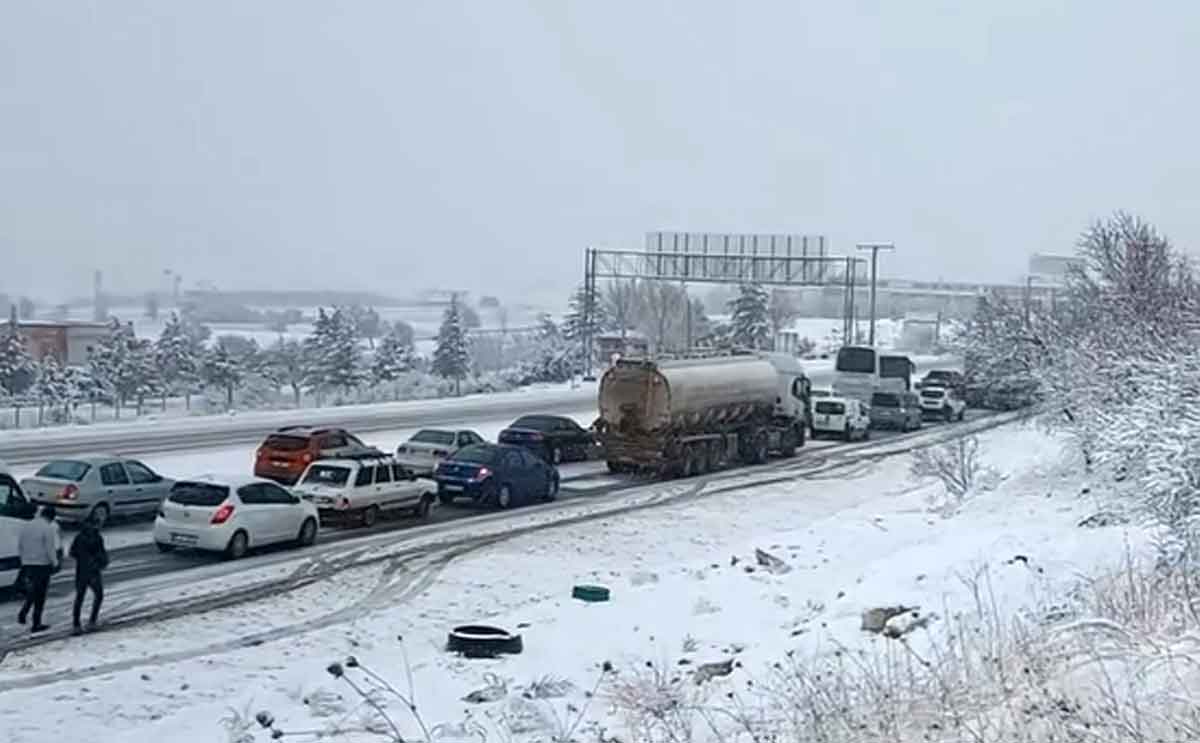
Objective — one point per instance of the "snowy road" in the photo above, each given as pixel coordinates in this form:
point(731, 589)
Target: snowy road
point(182, 584)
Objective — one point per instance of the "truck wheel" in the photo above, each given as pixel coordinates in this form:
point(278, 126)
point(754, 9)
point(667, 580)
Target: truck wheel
point(761, 447)
point(690, 465)
point(848, 433)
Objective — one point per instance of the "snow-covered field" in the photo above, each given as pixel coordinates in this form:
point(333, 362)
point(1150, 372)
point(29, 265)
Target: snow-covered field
point(686, 591)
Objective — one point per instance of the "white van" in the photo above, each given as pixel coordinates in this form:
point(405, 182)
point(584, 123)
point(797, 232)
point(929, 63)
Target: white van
point(15, 511)
point(841, 416)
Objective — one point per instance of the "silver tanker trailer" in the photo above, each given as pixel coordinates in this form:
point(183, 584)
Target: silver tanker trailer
point(687, 417)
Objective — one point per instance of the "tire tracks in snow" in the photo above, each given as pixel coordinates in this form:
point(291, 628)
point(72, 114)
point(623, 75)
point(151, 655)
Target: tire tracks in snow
point(410, 571)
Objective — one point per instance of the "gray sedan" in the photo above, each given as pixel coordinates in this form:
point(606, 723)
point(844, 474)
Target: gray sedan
point(105, 486)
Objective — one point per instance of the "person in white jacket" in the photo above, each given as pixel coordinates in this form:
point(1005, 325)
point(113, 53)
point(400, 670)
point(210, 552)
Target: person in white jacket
point(40, 548)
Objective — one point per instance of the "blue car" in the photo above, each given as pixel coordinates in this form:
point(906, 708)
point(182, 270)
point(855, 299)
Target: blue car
point(499, 474)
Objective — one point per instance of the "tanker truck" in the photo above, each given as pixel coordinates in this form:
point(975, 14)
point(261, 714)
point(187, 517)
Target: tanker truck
point(687, 417)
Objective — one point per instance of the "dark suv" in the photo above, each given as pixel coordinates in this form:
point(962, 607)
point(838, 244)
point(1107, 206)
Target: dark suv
point(285, 453)
point(555, 438)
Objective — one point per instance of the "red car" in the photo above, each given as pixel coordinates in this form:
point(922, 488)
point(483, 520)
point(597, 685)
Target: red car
point(285, 453)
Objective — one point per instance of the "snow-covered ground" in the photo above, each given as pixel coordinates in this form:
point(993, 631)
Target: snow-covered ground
point(686, 591)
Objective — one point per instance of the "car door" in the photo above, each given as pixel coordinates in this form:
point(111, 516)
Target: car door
point(383, 491)
point(15, 511)
point(408, 489)
point(149, 488)
point(538, 477)
point(115, 489)
point(516, 474)
point(255, 516)
point(287, 516)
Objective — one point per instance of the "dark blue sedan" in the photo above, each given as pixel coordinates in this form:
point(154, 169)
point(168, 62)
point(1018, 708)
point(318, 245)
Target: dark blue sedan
point(498, 474)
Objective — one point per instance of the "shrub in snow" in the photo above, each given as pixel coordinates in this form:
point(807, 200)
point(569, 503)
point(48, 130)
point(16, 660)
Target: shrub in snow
point(956, 465)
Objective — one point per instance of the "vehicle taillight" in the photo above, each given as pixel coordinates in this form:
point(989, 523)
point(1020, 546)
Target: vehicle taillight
point(223, 513)
point(307, 457)
point(70, 492)
point(483, 474)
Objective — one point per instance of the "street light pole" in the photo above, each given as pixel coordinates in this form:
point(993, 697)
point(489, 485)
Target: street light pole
point(874, 248)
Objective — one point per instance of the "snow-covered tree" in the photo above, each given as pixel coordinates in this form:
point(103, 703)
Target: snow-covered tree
point(178, 357)
point(16, 365)
point(781, 310)
point(367, 323)
point(576, 322)
point(452, 355)
point(750, 322)
point(125, 365)
point(284, 365)
point(55, 387)
point(619, 304)
point(225, 367)
point(333, 357)
point(393, 357)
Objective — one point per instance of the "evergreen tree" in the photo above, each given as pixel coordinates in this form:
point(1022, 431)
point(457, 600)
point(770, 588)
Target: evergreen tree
point(16, 365)
point(393, 357)
point(452, 356)
point(750, 322)
point(178, 357)
point(333, 357)
point(124, 364)
point(224, 368)
point(54, 387)
point(576, 322)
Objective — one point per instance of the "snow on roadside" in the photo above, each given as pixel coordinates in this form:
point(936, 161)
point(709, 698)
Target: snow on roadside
point(849, 545)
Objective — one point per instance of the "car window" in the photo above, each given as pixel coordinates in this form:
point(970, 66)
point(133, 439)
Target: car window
point(198, 494)
point(64, 469)
point(253, 495)
point(328, 475)
point(383, 473)
point(140, 474)
point(12, 502)
point(429, 436)
point(363, 477)
point(279, 442)
point(113, 474)
point(276, 495)
point(334, 441)
point(399, 472)
point(476, 455)
point(464, 439)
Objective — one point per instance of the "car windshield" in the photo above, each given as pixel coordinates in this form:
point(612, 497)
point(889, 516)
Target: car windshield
point(64, 469)
point(198, 494)
point(444, 438)
point(938, 376)
point(535, 422)
point(327, 474)
point(476, 455)
point(829, 407)
point(885, 400)
point(856, 359)
point(285, 443)
point(894, 366)
point(933, 394)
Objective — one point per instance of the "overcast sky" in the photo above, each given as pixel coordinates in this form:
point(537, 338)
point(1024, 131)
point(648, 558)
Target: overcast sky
point(394, 144)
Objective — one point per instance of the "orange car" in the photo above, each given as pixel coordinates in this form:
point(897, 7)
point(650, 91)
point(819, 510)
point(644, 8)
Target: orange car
point(285, 453)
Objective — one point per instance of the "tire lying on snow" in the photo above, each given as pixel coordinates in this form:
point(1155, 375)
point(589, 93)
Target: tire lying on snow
point(483, 641)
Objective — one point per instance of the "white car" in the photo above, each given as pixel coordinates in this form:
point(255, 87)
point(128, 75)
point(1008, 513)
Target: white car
point(361, 488)
point(233, 514)
point(841, 416)
point(430, 446)
point(15, 511)
point(942, 402)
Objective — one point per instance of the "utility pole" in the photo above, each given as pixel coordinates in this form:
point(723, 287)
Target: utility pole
point(874, 248)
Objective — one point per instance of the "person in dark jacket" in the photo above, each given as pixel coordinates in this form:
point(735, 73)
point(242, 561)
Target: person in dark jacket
point(91, 559)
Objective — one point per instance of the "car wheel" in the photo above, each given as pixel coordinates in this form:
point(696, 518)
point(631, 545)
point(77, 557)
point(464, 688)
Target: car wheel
point(308, 533)
point(787, 446)
point(445, 497)
point(164, 547)
point(962, 414)
point(238, 545)
point(370, 516)
point(848, 435)
point(504, 497)
point(615, 467)
point(552, 489)
point(866, 433)
point(100, 515)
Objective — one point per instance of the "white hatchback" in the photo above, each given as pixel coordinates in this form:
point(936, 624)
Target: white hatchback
point(841, 416)
point(232, 515)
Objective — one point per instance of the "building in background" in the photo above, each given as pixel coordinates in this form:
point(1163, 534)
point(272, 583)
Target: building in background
point(1047, 269)
point(67, 341)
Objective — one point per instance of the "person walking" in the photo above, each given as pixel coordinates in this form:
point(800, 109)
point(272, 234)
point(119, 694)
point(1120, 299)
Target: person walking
point(38, 546)
point(91, 560)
